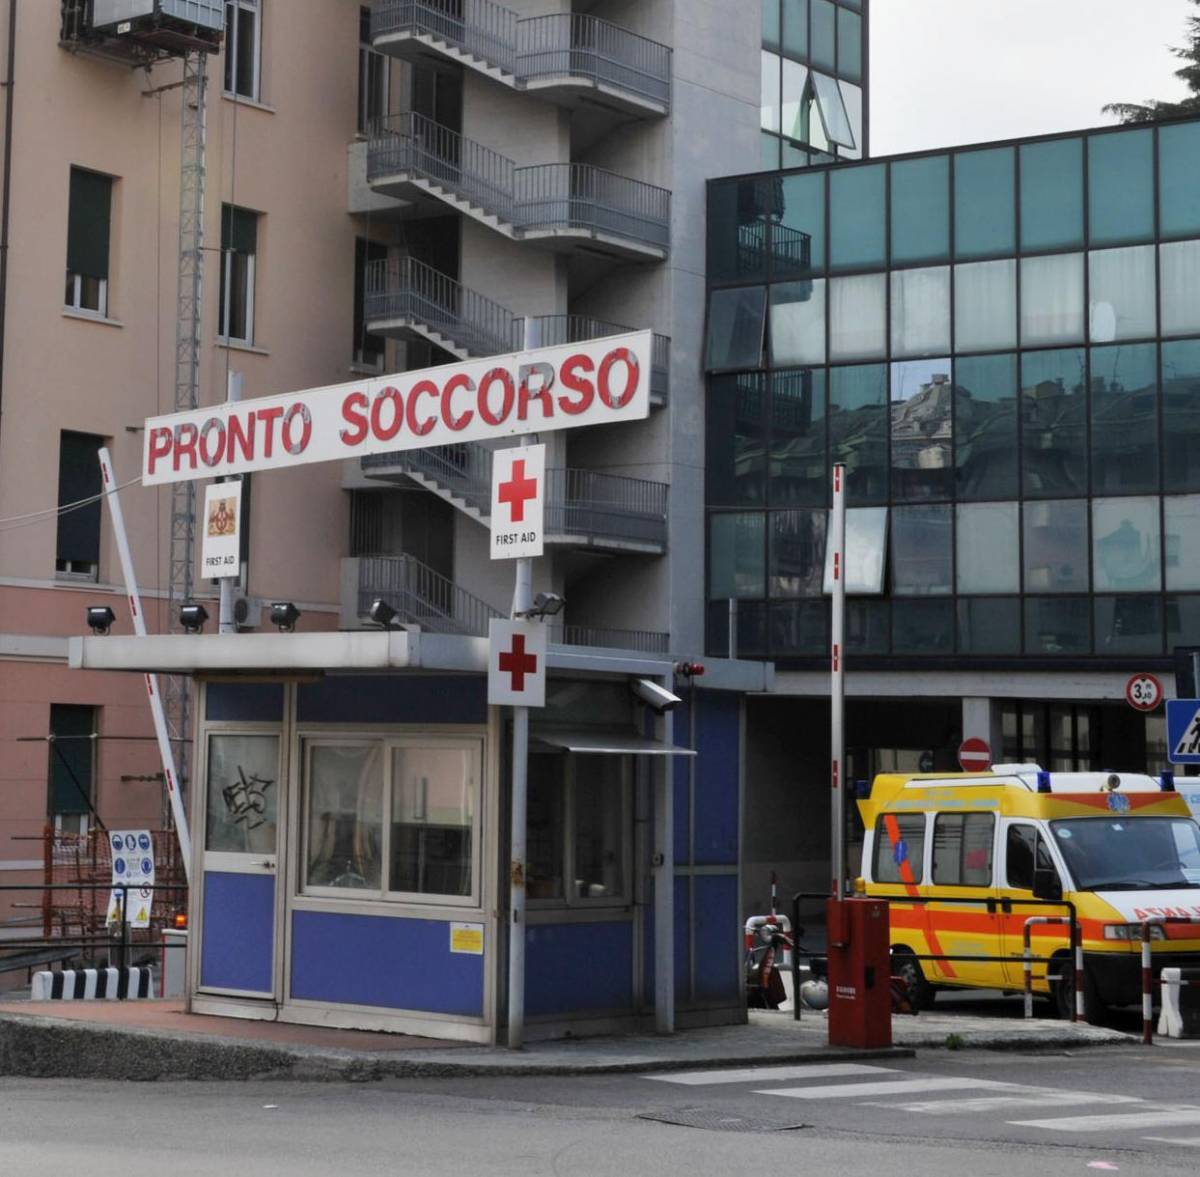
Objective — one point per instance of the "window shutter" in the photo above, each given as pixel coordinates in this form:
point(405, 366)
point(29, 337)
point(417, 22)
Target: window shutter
point(88, 223)
point(79, 478)
point(239, 229)
point(71, 720)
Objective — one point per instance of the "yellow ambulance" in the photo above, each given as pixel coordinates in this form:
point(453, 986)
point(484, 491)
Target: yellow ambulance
point(1122, 847)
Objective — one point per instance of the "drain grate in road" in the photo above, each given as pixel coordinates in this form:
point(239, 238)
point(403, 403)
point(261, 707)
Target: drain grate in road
point(716, 1121)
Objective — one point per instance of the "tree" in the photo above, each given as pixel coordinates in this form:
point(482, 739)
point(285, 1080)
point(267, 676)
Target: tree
point(1153, 110)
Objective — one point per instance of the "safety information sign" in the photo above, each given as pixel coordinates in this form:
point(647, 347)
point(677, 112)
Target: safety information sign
point(467, 938)
point(518, 501)
point(1183, 731)
point(220, 539)
point(132, 877)
point(516, 664)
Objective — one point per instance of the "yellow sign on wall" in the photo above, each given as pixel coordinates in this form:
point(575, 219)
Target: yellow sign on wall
point(467, 938)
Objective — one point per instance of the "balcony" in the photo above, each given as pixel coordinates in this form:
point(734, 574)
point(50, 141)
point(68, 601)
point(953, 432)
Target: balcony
point(565, 58)
point(565, 206)
point(426, 598)
point(585, 509)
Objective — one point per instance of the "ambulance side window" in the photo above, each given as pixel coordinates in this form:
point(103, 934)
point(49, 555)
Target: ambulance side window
point(1025, 850)
point(899, 849)
point(962, 849)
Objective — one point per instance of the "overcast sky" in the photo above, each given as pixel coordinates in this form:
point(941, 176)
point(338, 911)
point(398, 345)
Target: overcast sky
point(945, 72)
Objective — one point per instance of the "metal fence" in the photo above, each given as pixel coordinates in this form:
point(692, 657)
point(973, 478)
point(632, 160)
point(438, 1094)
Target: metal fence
point(645, 641)
point(607, 506)
point(421, 595)
point(576, 45)
point(477, 28)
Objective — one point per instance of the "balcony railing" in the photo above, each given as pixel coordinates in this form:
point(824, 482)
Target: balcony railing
point(555, 196)
point(414, 145)
point(645, 640)
point(476, 28)
point(421, 596)
point(572, 44)
point(584, 504)
point(405, 288)
point(535, 50)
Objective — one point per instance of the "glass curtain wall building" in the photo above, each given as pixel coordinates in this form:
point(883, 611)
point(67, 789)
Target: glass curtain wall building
point(814, 69)
point(1002, 344)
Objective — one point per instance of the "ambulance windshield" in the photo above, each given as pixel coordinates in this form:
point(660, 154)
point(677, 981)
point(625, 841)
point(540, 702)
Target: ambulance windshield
point(1130, 854)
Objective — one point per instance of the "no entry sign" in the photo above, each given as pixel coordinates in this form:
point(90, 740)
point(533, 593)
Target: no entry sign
point(517, 664)
point(974, 755)
point(518, 501)
point(594, 383)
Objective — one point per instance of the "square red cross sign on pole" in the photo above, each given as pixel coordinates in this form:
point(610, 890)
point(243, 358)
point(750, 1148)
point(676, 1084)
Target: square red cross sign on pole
point(518, 501)
point(517, 664)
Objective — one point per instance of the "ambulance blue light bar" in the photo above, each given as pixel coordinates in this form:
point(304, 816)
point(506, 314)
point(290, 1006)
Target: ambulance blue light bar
point(1043, 781)
point(1166, 778)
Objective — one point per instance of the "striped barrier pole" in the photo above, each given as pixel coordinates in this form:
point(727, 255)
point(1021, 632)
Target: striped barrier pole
point(1077, 1014)
point(1028, 961)
point(1147, 983)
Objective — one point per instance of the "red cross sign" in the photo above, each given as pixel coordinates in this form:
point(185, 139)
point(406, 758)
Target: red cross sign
point(517, 663)
point(518, 502)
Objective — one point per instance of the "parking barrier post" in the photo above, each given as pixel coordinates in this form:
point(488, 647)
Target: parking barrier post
point(1147, 982)
point(1078, 1013)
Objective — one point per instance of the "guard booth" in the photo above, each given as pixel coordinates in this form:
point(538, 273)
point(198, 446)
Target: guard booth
point(351, 845)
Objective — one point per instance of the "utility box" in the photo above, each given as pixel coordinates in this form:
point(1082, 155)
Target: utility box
point(860, 973)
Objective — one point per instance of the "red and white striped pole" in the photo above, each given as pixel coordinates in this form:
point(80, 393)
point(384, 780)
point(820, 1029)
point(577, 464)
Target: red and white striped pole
point(837, 546)
point(1147, 985)
point(1028, 958)
point(1078, 1014)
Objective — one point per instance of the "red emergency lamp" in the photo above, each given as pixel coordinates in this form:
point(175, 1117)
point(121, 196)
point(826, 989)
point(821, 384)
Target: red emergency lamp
point(689, 669)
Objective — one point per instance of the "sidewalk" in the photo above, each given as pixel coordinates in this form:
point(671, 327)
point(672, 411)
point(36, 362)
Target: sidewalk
point(157, 1040)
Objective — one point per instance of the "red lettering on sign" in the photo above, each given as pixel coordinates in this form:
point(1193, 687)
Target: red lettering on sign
point(268, 416)
point(160, 446)
point(457, 381)
point(421, 388)
point(517, 491)
point(387, 396)
point(504, 378)
point(240, 433)
point(353, 413)
point(297, 445)
point(543, 374)
point(185, 444)
point(208, 455)
point(518, 663)
point(621, 355)
point(572, 380)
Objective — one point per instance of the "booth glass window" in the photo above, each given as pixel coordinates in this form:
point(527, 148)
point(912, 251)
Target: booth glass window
point(243, 794)
point(426, 849)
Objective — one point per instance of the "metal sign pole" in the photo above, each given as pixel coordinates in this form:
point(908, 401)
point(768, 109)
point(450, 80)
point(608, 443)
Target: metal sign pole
point(139, 628)
point(229, 585)
point(837, 700)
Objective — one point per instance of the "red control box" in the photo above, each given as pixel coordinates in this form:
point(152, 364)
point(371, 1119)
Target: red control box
point(860, 968)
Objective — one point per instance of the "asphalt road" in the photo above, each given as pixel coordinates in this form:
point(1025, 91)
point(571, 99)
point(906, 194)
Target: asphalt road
point(945, 1114)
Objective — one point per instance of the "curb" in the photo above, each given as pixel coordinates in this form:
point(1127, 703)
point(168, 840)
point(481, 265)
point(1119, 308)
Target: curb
point(41, 1049)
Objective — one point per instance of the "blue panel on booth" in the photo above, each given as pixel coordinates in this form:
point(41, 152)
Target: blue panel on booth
point(259, 702)
point(681, 766)
point(683, 938)
point(574, 967)
point(383, 961)
point(237, 944)
point(394, 698)
point(717, 727)
point(718, 937)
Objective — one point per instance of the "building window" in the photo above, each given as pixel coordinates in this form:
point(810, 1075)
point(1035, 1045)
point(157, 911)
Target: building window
point(369, 349)
point(88, 219)
point(77, 550)
point(372, 76)
point(239, 246)
point(243, 46)
point(578, 813)
point(71, 774)
point(395, 818)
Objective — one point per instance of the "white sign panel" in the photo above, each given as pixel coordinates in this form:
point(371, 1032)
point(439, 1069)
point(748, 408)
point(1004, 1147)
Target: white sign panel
point(518, 501)
point(593, 383)
point(132, 876)
point(517, 664)
point(220, 536)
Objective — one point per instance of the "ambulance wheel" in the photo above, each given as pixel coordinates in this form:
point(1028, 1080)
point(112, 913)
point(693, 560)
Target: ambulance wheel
point(1064, 993)
point(906, 966)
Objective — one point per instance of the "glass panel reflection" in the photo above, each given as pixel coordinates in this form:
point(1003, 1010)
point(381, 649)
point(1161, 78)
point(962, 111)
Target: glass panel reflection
point(1179, 180)
point(922, 550)
point(988, 554)
point(984, 203)
point(857, 198)
point(1121, 187)
point(821, 49)
point(1124, 419)
point(433, 815)
point(1181, 415)
point(798, 236)
point(796, 101)
point(795, 27)
point(1052, 194)
point(985, 306)
point(736, 459)
point(1052, 299)
point(1121, 294)
point(345, 816)
point(1181, 541)
point(923, 627)
point(985, 426)
point(797, 555)
point(921, 209)
point(858, 317)
point(921, 410)
point(833, 111)
point(867, 626)
point(1054, 423)
point(852, 99)
point(1125, 545)
point(737, 555)
point(849, 44)
point(1180, 278)
point(768, 118)
point(989, 625)
point(770, 24)
point(799, 628)
point(243, 794)
point(1183, 620)
point(1055, 550)
point(797, 470)
point(1129, 625)
point(798, 322)
point(866, 550)
point(736, 320)
point(858, 429)
point(921, 311)
point(1057, 625)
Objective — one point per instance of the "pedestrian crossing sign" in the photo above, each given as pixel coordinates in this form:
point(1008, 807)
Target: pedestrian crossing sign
point(1183, 731)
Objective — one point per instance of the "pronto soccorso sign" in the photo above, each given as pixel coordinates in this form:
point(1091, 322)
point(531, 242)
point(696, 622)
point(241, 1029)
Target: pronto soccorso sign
point(593, 383)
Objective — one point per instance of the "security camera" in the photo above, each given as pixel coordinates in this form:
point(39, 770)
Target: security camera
point(659, 699)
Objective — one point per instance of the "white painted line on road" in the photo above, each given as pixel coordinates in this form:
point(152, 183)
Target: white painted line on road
point(1186, 1141)
point(1166, 1118)
point(769, 1074)
point(888, 1087)
point(1020, 1097)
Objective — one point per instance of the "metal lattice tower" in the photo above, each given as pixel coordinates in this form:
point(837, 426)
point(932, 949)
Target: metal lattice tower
point(187, 366)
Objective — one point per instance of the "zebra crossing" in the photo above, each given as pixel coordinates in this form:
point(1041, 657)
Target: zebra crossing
point(874, 1086)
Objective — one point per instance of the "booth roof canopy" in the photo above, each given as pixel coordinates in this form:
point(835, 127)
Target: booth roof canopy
point(608, 742)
